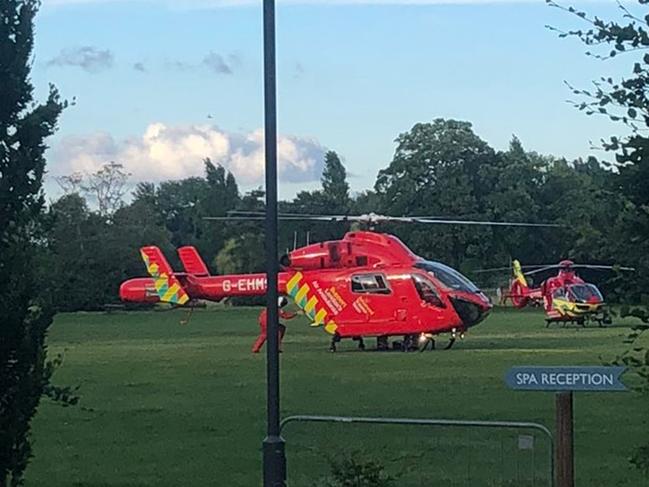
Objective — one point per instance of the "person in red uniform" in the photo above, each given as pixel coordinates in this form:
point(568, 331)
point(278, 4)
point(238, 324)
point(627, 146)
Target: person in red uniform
point(263, 323)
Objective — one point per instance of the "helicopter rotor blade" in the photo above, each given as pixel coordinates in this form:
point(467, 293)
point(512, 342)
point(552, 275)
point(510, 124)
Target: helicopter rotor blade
point(509, 268)
point(582, 266)
point(262, 218)
point(371, 218)
point(485, 222)
point(305, 216)
point(603, 267)
point(233, 218)
point(493, 269)
point(542, 269)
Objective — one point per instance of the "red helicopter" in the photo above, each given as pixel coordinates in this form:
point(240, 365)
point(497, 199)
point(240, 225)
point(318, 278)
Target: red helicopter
point(368, 284)
point(566, 297)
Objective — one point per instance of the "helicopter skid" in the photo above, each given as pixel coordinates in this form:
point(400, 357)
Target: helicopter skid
point(410, 343)
point(601, 318)
point(427, 340)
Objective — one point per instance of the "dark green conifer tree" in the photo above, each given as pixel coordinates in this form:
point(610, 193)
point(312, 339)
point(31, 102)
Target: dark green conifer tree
point(24, 126)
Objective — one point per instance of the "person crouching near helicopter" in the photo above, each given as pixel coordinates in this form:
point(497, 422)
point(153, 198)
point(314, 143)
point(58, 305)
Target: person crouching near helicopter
point(263, 325)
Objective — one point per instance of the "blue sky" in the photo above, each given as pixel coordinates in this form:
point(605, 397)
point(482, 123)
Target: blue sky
point(160, 84)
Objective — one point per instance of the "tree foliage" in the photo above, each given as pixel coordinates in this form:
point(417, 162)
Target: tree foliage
point(107, 186)
point(26, 316)
point(334, 182)
point(626, 101)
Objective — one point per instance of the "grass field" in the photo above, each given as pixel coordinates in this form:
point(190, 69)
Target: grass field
point(171, 405)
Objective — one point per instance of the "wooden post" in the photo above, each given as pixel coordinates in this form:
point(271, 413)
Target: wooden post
point(565, 469)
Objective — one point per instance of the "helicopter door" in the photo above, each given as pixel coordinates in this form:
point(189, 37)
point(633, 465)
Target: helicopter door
point(427, 291)
point(431, 309)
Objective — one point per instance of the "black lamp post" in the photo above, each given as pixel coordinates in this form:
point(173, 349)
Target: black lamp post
point(273, 445)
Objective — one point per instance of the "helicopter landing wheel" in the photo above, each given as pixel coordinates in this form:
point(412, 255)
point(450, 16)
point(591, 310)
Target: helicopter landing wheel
point(455, 334)
point(361, 343)
point(409, 343)
point(382, 343)
point(334, 339)
point(424, 340)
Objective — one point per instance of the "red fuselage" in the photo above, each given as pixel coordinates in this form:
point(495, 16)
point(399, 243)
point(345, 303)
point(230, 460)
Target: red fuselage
point(367, 284)
point(564, 297)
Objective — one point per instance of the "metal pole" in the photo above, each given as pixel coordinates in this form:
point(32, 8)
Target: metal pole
point(564, 441)
point(273, 445)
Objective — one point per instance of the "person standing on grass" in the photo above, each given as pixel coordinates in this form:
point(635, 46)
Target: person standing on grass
point(263, 324)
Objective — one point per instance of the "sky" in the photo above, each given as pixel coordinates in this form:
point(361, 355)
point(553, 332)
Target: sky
point(158, 85)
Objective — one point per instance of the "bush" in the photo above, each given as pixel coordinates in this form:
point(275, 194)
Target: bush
point(355, 470)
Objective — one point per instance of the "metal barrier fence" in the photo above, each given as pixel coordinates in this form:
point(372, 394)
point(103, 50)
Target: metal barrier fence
point(440, 423)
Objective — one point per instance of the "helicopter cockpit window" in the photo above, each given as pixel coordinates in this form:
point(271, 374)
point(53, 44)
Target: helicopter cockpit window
point(427, 291)
point(584, 293)
point(448, 276)
point(559, 293)
point(370, 283)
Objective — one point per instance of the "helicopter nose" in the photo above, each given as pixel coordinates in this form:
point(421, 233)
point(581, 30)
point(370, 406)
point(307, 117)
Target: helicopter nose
point(471, 312)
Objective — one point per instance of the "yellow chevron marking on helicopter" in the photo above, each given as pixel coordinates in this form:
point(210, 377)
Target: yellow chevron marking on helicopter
point(331, 327)
point(301, 295)
point(310, 304)
point(167, 287)
point(293, 281)
point(320, 316)
point(171, 292)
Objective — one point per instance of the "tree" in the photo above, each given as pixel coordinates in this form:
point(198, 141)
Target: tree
point(91, 256)
point(184, 204)
point(515, 181)
point(332, 199)
point(107, 186)
point(439, 169)
point(145, 193)
point(75, 245)
point(221, 196)
point(71, 183)
point(178, 204)
point(626, 101)
point(243, 254)
point(24, 126)
point(334, 181)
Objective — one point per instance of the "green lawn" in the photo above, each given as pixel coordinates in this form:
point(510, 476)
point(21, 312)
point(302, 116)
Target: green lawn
point(172, 405)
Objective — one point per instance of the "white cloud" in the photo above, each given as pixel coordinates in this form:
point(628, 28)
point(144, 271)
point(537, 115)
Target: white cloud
point(175, 152)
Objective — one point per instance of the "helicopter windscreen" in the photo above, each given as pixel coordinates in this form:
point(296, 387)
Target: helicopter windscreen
point(448, 276)
point(585, 293)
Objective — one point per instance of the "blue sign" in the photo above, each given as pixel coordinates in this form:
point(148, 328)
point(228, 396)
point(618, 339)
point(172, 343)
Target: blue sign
point(565, 378)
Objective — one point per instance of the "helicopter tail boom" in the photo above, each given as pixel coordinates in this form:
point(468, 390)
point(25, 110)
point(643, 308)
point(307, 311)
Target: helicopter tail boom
point(519, 290)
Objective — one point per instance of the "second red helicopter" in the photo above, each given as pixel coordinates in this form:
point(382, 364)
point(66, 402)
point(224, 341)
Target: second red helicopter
point(565, 297)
